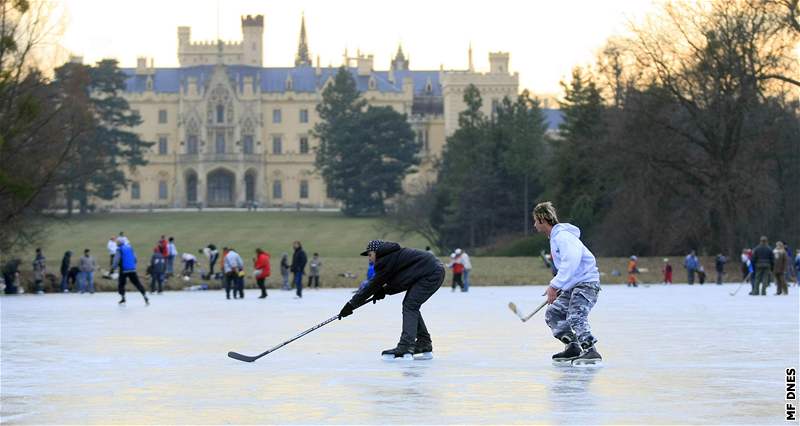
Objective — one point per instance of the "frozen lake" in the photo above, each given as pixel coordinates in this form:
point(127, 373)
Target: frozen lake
point(676, 354)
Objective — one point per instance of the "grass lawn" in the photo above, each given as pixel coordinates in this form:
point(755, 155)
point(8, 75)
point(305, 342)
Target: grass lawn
point(338, 239)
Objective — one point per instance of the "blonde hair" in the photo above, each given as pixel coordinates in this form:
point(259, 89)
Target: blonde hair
point(545, 212)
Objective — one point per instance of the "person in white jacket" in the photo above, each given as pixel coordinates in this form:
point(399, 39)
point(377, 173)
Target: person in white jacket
point(573, 290)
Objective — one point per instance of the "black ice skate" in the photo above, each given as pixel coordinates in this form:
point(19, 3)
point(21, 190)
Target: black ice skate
point(588, 357)
point(570, 352)
point(423, 351)
point(398, 353)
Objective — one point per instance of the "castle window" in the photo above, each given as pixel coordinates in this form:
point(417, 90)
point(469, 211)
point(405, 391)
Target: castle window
point(289, 84)
point(276, 116)
point(191, 145)
point(247, 146)
point(428, 87)
point(219, 143)
point(277, 189)
point(304, 145)
point(304, 116)
point(135, 191)
point(304, 189)
point(162, 145)
point(162, 116)
point(220, 114)
point(372, 83)
point(162, 190)
point(277, 145)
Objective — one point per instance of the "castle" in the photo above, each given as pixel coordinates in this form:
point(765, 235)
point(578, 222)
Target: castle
point(230, 132)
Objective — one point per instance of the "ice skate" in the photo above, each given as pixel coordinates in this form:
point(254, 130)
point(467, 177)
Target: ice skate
point(423, 351)
point(398, 353)
point(570, 352)
point(588, 357)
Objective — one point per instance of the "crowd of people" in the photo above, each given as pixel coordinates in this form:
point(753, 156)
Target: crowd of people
point(226, 266)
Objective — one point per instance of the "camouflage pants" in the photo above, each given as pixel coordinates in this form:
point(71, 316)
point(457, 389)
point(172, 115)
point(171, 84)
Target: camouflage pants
point(568, 315)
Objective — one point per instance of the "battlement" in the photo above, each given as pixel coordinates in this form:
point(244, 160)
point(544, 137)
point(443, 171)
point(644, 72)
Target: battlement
point(253, 21)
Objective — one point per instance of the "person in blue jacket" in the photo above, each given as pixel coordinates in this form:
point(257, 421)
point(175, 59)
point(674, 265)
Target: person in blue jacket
point(125, 260)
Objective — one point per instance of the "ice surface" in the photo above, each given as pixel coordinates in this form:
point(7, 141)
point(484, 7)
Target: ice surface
point(675, 354)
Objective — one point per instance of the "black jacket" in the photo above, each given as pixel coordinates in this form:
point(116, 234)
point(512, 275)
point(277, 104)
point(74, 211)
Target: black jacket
point(65, 261)
point(763, 257)
point(299, 260)
point(396, 270)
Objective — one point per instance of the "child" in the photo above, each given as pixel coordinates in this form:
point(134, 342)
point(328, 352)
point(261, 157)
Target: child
point(458, 271)
point(667, 270)
point(632, 271)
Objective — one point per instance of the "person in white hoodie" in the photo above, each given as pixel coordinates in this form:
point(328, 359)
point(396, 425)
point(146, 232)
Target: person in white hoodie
point(573, 290)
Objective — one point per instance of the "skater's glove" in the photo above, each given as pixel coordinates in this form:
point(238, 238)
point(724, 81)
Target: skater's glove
point(379, 294)
point(346, 310)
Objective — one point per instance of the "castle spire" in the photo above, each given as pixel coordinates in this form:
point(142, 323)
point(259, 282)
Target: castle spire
point(303, 58)
point(471, 68)
point(400, 62)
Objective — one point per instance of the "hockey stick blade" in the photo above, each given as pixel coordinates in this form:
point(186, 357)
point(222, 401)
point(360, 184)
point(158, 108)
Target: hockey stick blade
point(241, 357)
point(513, 308)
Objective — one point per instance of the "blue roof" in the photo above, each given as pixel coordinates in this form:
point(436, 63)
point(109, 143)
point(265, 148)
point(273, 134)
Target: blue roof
point(273, 80)
point(554, 118)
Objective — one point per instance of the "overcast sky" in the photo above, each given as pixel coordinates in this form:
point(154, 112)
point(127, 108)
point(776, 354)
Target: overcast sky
point(546, 38)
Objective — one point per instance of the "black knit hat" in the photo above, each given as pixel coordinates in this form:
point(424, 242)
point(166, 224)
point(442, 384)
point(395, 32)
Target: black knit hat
point(373, 245)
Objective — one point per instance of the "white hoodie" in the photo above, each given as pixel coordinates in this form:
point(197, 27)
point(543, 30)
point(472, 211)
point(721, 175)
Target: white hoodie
point(574, 262)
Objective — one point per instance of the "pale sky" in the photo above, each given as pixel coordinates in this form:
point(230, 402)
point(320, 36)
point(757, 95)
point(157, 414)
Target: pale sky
point(546, 38)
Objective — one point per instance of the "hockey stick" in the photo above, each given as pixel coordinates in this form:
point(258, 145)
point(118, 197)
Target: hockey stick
point(524, 318)
point(247, 358)
point(740, 284)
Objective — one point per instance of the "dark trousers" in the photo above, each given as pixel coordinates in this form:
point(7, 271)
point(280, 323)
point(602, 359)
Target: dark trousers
point(457, 280)
point(234, 282)
point(313, 279)
point(123, 277)
point(298, 283)
point(111, 264)
point(262, 286)
point(156, 282)
point(414, 329)
point(763, 275)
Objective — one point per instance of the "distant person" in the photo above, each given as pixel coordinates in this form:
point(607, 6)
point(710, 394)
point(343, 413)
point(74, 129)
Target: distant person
point(233, 267)
point(458, 271)
point(467, 267)
point(158, 268)
point(719, 265)
point(667, 270)
point(701, 274)
point(690, 264)
point(428, 249)
point(39, 270)
point(262, 272)
point(211, 253)
point(370, 274)
point(573, 292)
point(299, 261)
point(111, 246)
point(285, 271)
point(779, 268)
point(313, 270)
point(125, 261)
point(87, 266)
point(763, 261)
point(10, 275)
point(65, 265)
point(189, 260)
point(745, 260)
point(163, 247)
point(398, 270)
point(122, 238)
point(633, 269)
point(797, 266)
point(172, 253)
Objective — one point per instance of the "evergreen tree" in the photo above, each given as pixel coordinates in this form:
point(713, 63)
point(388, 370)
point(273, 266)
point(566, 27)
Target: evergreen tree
point(363, 155)
point(102, 153)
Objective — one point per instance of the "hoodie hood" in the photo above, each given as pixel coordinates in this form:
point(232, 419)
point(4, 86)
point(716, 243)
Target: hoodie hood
point(565, 227)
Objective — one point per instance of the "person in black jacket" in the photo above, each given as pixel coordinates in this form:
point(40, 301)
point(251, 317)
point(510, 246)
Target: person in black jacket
point(763, 260)
point(419, 274)
point(298, 266)
point(65, 265)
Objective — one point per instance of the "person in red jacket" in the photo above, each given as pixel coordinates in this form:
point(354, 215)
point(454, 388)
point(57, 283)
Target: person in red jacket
point(163, 246)
point(261, 266)
point(458, 271)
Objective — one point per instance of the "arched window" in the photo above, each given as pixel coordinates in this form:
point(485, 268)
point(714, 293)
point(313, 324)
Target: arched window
point(277, 189)
point(220, 113)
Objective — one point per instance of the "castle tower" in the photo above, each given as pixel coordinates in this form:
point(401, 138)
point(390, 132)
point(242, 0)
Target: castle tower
point(400, 63)
point(253, 40)
point(303, 58)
